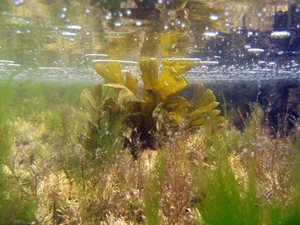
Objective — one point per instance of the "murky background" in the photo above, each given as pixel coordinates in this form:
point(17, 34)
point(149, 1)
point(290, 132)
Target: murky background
point(228, 40)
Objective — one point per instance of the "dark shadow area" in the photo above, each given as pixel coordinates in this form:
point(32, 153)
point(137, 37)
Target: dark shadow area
point(279, 99)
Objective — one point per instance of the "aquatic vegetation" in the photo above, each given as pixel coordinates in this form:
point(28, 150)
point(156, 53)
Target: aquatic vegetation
point(152, 193)
point(195, 178)
point(157, 102)
point(10, 212)
point(63, 164)
point(218, 196)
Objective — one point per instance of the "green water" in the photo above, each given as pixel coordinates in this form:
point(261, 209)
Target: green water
point(66, 162)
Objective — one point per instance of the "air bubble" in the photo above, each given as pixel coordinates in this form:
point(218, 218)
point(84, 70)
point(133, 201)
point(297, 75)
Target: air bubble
point(210, 33)
point(74, 27)
point(108, 16)
point(67, 33)
point(138, 23)
point(214, 17)
point(19, 2)
point(128, 12)
point(118, 24)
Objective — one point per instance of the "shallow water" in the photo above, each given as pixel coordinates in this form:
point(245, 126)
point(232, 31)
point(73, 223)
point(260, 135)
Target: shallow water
point(70, 155)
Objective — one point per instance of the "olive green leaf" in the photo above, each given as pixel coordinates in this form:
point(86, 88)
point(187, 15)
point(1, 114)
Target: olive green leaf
point(180, 66)
point(125, 95)
point(170, 82)
point(90, 103)
point(131, 83)
point(149, 75)
point(111, 74)
point(202, 109)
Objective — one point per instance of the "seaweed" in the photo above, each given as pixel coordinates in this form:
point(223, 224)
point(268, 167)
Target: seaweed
point(157, 102)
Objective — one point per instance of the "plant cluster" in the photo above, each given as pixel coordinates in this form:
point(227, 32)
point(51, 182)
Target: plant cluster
point(149, 106)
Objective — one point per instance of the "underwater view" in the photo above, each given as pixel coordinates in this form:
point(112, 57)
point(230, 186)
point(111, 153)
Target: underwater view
point(154, 112)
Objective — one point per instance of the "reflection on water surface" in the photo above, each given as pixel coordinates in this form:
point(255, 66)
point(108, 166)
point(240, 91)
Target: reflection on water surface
point(62, 39)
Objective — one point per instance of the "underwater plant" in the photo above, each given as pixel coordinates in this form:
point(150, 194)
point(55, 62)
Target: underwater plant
point(147, 108)
point(10, 212)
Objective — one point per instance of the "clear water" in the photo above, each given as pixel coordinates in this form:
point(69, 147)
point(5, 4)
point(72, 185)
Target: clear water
point(60, 40)
point(71, 167)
